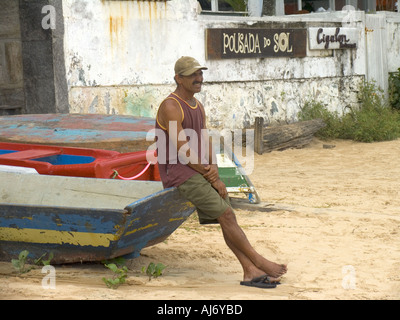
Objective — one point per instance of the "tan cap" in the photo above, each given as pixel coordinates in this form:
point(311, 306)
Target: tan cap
point(186, 66)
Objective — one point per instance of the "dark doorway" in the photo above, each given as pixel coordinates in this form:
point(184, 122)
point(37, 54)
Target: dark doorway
point(32, 70)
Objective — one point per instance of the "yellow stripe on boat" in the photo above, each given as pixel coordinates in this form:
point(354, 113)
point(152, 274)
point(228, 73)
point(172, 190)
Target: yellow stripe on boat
point(142, 228)
point(176, 219)
point(57, 237)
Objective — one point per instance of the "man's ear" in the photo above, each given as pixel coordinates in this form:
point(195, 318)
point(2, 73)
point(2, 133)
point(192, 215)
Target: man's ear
point(177, 79)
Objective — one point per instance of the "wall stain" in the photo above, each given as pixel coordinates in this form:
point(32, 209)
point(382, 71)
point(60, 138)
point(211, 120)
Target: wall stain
point(140, 106)
point(116, 28)
point(120, 12)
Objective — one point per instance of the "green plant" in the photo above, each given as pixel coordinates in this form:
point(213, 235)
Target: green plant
point(374, 120)
point(154, 270)
point(371, 120)
point(394, 90)
point(119, 276)
point(119, 261)
point(237, 5)
point(316, 110)
point(44, 262)
point(19, 264)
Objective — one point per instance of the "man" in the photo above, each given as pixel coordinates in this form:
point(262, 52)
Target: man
point(188, 166)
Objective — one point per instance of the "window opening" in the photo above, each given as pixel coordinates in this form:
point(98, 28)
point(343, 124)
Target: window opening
point(308, 6)
point(229, 7)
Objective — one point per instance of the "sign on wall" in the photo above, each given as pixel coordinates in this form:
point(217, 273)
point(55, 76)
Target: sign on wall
point(255, 43)
point(333, 38)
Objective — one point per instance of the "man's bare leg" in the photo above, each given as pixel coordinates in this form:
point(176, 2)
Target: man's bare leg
point(251, 261)
point(250, 271)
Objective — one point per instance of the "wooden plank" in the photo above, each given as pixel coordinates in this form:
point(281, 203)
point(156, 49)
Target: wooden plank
point(258, 135)
point(8, 107)
point(238, 203)
point(72, 235)
point(30, 154)
point(255, 43)
point(151, 220)
point(295, 135)
point(111, 132)
point(27, 189)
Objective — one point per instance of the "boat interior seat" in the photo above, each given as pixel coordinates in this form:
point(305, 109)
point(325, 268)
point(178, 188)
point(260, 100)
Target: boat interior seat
point(30, 154)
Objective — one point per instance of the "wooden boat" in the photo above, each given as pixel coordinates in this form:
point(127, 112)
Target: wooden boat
point(79, 162)
point(235, 178)
point(97, 163)
point(119, 133)
point(112, 132)
point(84, 219)
point(73, 208)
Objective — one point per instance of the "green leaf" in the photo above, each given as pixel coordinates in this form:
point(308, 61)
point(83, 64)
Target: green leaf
point(19, 263)
point(112, 266)
point(154, 270)
point(47, 262)
point(23, 255)
point(16, 264)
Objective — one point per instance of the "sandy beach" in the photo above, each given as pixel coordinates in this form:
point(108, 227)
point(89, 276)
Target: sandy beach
point(333, 218)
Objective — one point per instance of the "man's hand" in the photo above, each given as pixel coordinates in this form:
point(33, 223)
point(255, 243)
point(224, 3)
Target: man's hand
point(221, 188)
point(212, 177)
point(212, 173)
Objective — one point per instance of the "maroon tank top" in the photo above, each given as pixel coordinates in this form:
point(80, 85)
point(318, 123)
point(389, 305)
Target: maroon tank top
point(174, 172)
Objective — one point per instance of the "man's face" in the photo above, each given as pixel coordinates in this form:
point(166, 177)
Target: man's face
point(193, 82)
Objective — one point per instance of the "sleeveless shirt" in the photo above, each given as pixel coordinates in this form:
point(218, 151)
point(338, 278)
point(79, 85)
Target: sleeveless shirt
point(174, 172)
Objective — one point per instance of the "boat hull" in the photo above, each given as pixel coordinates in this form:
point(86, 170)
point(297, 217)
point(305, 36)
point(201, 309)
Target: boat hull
point(75, 233)
point(112, 132)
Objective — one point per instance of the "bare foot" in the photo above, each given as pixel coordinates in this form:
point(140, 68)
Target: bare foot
point(254, 273)
point(273, 269)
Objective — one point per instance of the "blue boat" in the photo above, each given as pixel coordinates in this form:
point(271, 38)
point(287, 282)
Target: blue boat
point(84, 219)
point(111, 132)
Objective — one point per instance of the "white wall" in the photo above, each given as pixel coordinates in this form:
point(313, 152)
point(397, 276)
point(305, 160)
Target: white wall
point(120, 57)
point(128, 42)
point(393, 40)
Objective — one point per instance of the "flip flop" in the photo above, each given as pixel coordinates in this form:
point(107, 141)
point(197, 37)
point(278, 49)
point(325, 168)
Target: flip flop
point(265, 278)
point(263, 282)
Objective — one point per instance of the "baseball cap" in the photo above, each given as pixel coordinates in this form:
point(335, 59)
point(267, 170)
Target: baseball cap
point(186, 66)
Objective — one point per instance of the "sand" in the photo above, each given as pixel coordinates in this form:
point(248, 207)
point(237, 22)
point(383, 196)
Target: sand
point(334, 220)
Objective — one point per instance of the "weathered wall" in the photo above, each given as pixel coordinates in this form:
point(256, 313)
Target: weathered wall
point(393, 40)
point(43, 60)
point(120, 57)
point(235, 105)
point(11, 73)
point(276, 88)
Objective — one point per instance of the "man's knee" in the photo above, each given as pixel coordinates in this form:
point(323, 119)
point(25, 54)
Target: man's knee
point(227, 217)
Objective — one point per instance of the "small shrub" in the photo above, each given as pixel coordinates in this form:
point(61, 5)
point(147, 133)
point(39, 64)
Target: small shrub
point(394, 90)
point(41, 260)
point(316, 110)
point(372, 120)
point(154, 270)
point(19, 264)
point(120, 273)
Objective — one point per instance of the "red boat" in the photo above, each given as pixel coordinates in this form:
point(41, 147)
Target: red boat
point(79, 162)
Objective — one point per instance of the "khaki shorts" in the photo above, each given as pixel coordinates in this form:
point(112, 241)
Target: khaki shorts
point(210, 206)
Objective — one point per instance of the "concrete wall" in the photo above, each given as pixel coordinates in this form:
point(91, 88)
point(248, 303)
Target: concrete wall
point(119, 58)
point(393, 40)
point(383, 46)
point(11, 72)
point(43, 58)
